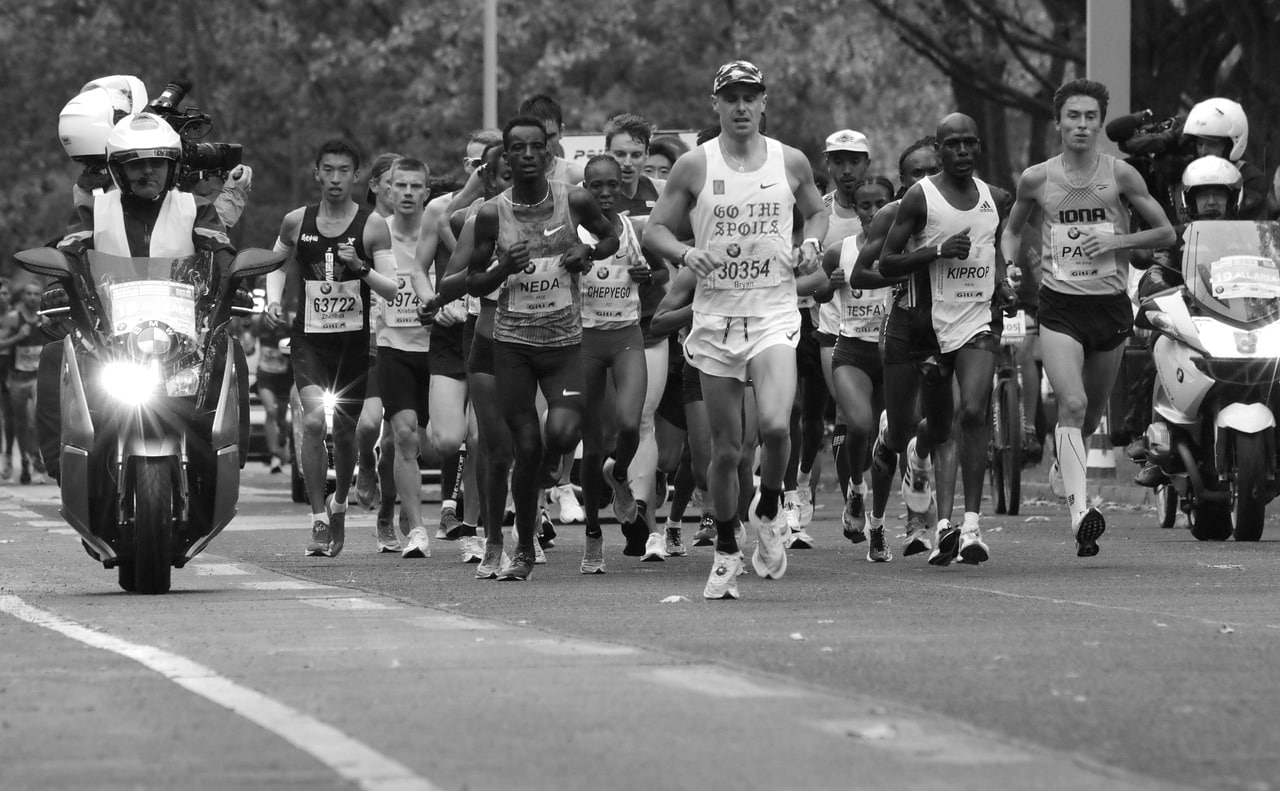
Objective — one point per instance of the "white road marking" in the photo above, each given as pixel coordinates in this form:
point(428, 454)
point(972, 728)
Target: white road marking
point(349, 758)
point(22, 513)
point(350, 604)
point(284, 585)
point(46, 523)
point(567, 647)
point(717, 682)
point(919, 741)
point(450, 622)
point(217, 569)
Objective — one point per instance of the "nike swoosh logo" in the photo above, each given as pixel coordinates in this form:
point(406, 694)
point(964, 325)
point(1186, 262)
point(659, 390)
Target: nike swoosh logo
point(767, 186)
point(791, 335)
point(570, 393)
point(550, 231)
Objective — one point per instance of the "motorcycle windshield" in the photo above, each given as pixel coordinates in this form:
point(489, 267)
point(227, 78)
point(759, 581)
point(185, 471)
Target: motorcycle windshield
point(1232, 269)
point(142, 294)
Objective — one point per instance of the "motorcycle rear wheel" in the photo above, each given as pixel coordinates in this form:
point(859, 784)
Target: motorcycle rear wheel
point(1211, 521)
point(1166, 505)
point(152, 527)
point(1248, 490)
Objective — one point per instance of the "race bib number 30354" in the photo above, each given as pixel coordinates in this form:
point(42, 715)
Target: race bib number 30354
point(748, 265)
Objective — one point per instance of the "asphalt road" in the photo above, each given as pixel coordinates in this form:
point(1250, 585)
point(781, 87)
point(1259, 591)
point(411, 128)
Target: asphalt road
point(1146, 667)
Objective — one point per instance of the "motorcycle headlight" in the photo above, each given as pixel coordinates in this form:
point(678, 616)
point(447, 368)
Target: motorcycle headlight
point(184, 382)
point(131, 382)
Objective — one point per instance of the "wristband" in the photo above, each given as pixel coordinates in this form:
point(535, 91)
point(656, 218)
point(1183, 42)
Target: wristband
point(683, 255)
point(938, 252)
point(814, 241)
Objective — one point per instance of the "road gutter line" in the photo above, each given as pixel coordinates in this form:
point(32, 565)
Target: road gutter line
point(347, 757)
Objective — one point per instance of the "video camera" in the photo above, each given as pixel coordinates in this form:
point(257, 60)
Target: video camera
point(1139, 134)
point(199, 160)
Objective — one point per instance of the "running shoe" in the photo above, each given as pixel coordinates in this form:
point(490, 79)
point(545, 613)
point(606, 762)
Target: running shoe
point(367, 488)
point(1032, 448)
point(946, 546)
point(1056, 485)
point(495, 559)
point(770, 556)
point(800, 539)
point(973, 550)
point(450, 528)
point(472, 549)
point(318, 547)
point(804, 497)
point(593, 556)
point(790, 513)
point(706, 534)
point(518, 568)
point(337, 528)
point(636, 533)
point(722, 583)
point(276, 465)
point(624, 503)
point(546, 529)
point(539, 555)
point(853, 519)
point(1087, 530)
point(388, 541)
point(675, 543)
point(418, 545)
point(570, 509)
point(878, 549)
point(24, 477)
point(7, 474)
point(918, 532)
point(655, 549)
point(917, 483)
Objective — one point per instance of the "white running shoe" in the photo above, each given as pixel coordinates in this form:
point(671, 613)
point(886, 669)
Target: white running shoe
point(570, 509)
point(472, 549)
point(804, 497)
point(593, 556)
point(722, 583)
point(419, 544)
point(853, 517)
point(624, 502)
point(800, 539)
point(770, 556)
point(946, 545)
point(655, 548)
point(878, 549)
point(388, 541)
point(790, 513)
point(917, 483)
point(539, 556)
point(495, 559)
point(1056, 485)
point(973, 550)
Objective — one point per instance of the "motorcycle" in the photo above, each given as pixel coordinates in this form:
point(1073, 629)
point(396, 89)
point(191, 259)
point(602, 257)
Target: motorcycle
point(150, 405)
point(1217, 358)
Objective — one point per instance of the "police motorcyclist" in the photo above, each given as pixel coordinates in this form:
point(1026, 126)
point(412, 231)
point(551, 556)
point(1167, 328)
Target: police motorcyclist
point(1219, 127)
point(1212, 189)
point(145, 216)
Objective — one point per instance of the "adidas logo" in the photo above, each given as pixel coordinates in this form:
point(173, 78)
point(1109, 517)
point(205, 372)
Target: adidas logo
point(986, 206)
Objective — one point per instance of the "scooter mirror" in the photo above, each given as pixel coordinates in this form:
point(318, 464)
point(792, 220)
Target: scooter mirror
point(256, 261)
point(46, 261)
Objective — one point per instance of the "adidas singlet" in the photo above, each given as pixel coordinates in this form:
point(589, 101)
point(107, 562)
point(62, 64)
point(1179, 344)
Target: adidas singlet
point(1069, 209)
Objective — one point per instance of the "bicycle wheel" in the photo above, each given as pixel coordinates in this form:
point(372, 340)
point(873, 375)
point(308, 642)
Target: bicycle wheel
point(996, 455)
point(1011, 399)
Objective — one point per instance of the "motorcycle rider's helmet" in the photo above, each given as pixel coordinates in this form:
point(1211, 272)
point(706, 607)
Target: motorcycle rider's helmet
point(85, 122)
point(1220, 118)
point(142, 136)
point(1211, 172)
point(128, 94)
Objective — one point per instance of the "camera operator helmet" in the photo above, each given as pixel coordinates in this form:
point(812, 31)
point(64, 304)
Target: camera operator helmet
point(1208, 172)
point(85, 123)
point(1222, 119)
point(142, 136)
point(127, 92)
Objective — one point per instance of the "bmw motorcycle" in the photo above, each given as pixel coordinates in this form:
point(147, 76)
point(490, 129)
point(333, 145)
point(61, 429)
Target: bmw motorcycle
point(150, 402)
point(1217, 358)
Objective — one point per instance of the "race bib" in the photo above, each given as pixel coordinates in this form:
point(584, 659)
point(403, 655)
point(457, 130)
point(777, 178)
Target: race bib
point(863, 313)
point(27, 358)
point(749, 265)
point(1069, 260)
point(403, 310)
point(163, 301)
point(333, 307)
point(969, 280)
point(542, 287)
point(608, 293)
point(272, 360)
point(1015, 328)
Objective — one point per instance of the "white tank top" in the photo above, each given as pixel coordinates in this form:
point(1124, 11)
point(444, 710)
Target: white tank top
point(610, 298)
point(960, 291)
point(170, 238)
point(397, 325)
point(860, 311)
point(747, 219)
point(838, 229)
point(1070, 209)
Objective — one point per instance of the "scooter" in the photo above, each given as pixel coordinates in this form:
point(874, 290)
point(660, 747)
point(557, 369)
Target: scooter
point(150, 403)
point(1217, 359)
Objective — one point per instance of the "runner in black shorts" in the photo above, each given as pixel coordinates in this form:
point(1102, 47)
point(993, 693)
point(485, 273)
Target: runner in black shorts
point(335, 246)
point(274, 380)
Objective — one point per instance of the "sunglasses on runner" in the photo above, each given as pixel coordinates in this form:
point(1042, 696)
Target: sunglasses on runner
point(472, 161)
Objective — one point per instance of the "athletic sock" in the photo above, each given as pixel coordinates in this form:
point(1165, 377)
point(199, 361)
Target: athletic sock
point(450, 474)
point(768, 507)
point(336, 507)
point(874, 521)
point(841, 457)
point(726, 535)
point(1072, 466)
point(320, 518)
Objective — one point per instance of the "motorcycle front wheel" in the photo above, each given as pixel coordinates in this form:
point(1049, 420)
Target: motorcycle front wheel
point(1248, 490)
point(152, 560)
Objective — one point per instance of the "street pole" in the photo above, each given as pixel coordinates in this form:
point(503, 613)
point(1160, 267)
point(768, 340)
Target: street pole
point(490, 64)
point(1107, 54)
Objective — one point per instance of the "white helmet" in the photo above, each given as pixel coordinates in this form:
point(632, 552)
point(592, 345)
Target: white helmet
point(142, 136)
point(127, 92)
point(1211, 172)
point(1220, 118)
point(85, 122)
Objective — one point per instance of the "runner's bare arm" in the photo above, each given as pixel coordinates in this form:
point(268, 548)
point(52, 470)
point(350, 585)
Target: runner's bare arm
point(286, 242)
point(685, 182)
point(474, 188)
point(809, 204)
point(452, 284)
point(676, 309)
point(586, 212)
point(1160, 234)
point(1029, 188)
point(377, 240)
point(424, 255)
point(866, 270)
point(481, 277)
point(912, 214)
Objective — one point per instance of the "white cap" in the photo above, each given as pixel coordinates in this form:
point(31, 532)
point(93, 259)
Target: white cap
point(847, 140)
